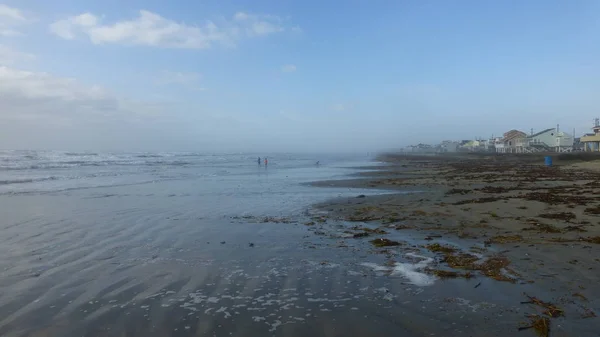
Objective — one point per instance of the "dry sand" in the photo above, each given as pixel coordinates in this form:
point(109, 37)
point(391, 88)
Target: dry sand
point(505, 218)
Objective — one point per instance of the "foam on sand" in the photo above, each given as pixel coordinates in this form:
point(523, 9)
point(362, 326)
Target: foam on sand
point(410, 271)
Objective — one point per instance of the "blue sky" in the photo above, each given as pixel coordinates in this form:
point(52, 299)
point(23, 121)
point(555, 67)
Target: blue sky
point(292, 75)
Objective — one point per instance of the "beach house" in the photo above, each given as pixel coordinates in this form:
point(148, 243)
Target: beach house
point(591, 141)
point(448, 146)
point(550, 140)
point(471, 146)
point(510, 142)
point(487, 145)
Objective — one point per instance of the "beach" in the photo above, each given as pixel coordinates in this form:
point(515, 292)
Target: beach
point(161, 244)
point(502, 230)
point(215, 245)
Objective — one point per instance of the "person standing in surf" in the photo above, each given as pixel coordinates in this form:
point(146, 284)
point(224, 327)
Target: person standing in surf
point(266, 161)
point(258, 161)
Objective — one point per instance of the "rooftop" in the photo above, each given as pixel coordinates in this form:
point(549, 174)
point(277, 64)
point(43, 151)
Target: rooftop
point(539, 133)
point(513, 134)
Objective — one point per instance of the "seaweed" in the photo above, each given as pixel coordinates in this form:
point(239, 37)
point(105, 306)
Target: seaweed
point(369, 230)
point(382, 242)
point(561, 240)
point(400, 227)
point(478, 201)
point(466, 235)
point(492, 267)
point(461, 261)
point(493, 189)
point(580, 295)
point(541, 325)
point(360, 235)
point(364, 218)
point(392, 220)
point(363, 214)
point(450, 274)
point(551, 310)
point(458, 191)
point(567, 216)
point(594, 239)
point(542, 228)
point(504, 239)
point(445, 273)
point(436, 247)
point(277, 220)
point(556, 199)
point(593, 210)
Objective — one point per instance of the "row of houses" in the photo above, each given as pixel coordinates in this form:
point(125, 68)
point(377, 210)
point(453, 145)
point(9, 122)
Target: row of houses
point(548, 140)
point(515, 141)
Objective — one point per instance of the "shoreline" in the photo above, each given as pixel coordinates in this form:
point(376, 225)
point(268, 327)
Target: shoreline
point(153, 260)
point(507, 219)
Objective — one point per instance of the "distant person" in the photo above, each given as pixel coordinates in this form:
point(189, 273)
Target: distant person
point(266, 161)
point(317, 163)
point(258, 161)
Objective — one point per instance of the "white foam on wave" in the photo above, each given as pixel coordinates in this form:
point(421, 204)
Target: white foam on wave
point(410, 271)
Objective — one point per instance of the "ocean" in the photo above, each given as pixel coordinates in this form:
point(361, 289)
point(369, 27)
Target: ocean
point(169, 244)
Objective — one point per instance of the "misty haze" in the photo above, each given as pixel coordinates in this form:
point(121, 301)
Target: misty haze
point(268, 168)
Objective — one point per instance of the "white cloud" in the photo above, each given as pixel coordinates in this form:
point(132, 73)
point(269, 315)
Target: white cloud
point(9, 56)
point(11, 13)
point(10, 19)
point(86, 20)
point(40, 110)
point(42, 98)
point(66, 28)
point(288, 68)
point(32, 85)
point(63, 29)
point(10, 33)
point(259, 25)
point(151, 29)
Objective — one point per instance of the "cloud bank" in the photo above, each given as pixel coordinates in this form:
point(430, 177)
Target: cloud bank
point(151, 29)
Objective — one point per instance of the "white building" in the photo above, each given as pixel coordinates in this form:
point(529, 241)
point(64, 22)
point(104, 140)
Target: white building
point(449, 146)
point(551, 140)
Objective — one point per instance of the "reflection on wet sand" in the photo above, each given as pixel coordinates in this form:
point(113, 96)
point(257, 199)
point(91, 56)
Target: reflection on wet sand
point(164, 260)
point(149, 276)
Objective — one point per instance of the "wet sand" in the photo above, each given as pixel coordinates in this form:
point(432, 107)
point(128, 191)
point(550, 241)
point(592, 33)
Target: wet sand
point(198, 249)
point(497, 228)
point(169, 273)
point(175, 259)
